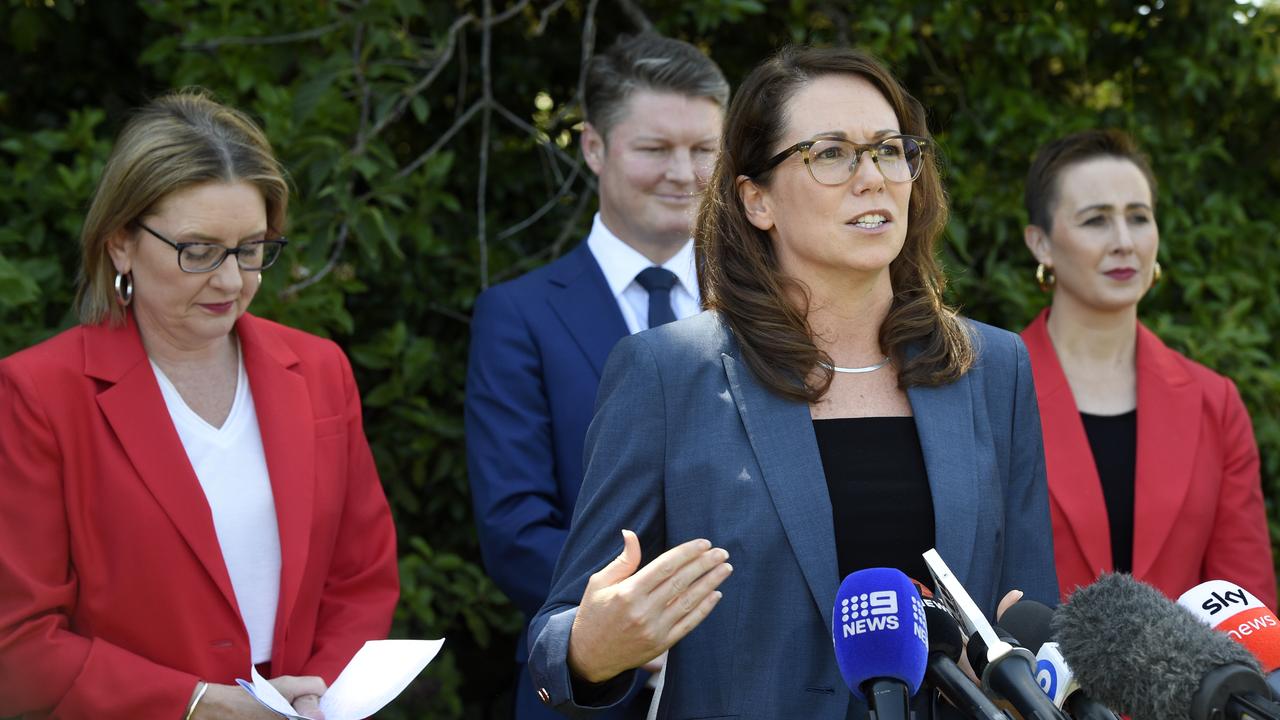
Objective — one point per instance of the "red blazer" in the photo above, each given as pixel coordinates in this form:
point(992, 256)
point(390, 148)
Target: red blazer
point(114, 598)
point(1198, 511)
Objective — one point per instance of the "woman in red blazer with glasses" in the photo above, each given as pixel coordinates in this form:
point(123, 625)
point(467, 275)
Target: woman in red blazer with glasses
point(185, 489)
point(1151, 460)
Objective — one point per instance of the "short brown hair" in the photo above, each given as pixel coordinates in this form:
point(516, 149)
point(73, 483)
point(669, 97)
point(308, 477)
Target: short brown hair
point(1053, 158)
point(175, 141)
point(738, 269)
point(647, 61)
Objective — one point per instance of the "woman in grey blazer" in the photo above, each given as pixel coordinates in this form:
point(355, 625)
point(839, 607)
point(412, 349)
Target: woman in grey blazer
point(827, 413)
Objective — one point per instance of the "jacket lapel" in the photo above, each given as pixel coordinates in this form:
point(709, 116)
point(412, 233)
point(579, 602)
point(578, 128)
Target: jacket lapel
point(1072, 473)
point(782, 438)
point(1169, 410)
point(136, 411)
point(286, 423)
point(586, 306)
point(944, 422)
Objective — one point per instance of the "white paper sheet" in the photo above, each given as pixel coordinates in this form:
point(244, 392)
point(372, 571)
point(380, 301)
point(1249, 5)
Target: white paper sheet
point(380, 671)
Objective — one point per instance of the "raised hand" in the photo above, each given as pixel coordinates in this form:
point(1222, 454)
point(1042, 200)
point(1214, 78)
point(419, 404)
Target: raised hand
point(627, 618)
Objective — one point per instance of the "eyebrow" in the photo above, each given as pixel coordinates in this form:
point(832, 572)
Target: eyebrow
point(842, 135)
point(1108, 206)
point(200, 237)
point(714, 139)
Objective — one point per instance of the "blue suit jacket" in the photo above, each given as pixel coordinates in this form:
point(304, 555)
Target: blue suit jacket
point(538, 346)
point(686, 443)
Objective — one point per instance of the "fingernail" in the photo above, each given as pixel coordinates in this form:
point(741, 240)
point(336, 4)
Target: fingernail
point(704, 544)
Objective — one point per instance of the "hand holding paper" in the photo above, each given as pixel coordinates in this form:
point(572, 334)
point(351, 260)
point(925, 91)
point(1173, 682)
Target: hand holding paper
point(380, 671)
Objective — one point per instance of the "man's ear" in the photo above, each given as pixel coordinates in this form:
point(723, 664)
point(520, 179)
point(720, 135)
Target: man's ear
point(1037, 241)
point(755, 200)
point(120, 246)
point(593, 148)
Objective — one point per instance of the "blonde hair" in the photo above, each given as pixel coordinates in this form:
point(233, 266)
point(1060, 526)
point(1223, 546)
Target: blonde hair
point(178, 140)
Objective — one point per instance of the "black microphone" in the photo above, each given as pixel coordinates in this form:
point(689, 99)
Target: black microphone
point(945, 645)
point(1031, 623)
point(1136, 651)
point(1008, 672)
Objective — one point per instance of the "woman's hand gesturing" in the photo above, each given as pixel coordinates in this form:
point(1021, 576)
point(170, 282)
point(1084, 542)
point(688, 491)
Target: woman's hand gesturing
point(627, 618)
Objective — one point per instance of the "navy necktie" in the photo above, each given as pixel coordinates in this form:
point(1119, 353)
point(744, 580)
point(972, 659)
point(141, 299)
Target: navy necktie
point(658, 283)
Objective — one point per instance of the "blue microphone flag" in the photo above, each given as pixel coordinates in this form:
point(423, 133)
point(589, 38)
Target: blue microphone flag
point(878, 627)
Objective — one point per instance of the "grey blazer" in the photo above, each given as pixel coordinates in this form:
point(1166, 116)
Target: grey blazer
point(686, 443)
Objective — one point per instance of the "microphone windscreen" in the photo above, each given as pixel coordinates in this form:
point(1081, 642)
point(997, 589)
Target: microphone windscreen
point(944, 634)
point(1135, 651)
point(1229, 608)
point(1030, 622)
point(878, 627)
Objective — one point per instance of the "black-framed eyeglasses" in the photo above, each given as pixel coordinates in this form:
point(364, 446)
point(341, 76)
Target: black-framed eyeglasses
point(202, 257)
point(832, 161)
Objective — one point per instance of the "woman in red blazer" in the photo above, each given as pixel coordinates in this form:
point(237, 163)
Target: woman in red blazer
point(130, 540)
point(1151, 460)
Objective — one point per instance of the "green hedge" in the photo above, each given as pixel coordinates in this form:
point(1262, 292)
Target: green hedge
point(432, 151)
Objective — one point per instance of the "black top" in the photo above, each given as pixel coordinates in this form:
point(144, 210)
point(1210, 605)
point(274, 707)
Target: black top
point(881, 504)
point(1114, 442)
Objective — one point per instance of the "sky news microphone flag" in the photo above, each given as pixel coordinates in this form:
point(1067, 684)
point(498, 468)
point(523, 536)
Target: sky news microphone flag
point(1229, 608)
point(878, 628)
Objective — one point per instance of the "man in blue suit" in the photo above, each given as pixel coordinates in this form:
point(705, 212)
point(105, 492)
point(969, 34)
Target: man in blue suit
point(653, 107)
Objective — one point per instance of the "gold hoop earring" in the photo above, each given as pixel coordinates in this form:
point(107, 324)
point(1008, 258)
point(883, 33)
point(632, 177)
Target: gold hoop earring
point(124, 289)
point(1156, 274)
point(1045, 278)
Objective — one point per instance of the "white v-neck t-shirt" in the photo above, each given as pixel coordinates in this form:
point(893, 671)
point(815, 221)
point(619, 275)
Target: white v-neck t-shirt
point(231, 466)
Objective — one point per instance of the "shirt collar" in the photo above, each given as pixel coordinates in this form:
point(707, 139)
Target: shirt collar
point(621, 263)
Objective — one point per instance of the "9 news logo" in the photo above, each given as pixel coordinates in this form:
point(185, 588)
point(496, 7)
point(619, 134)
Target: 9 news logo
point(869, 612)
point(1047, 677)
point(919, 624)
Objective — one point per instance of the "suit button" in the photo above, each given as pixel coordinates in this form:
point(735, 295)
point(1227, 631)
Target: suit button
point(544, 696)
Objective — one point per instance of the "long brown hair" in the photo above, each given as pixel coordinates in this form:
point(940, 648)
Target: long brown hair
point(738, 271)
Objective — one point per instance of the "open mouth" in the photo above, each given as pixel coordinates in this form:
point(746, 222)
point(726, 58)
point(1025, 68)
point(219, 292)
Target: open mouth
point(869, 221)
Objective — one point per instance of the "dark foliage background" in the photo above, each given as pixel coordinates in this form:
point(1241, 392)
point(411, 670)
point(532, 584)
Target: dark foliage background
point(432, 148)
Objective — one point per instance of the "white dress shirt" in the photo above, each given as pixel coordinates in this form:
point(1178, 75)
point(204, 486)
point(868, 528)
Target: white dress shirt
point(621, 263)
point(231, 466)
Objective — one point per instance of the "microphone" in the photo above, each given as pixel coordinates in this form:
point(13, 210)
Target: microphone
point(1137, 652)
point(1031, 621)
point(1230, 609)
point(1007, 672)
point(945, 646)
point(1010, 674)
point(881, 645)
